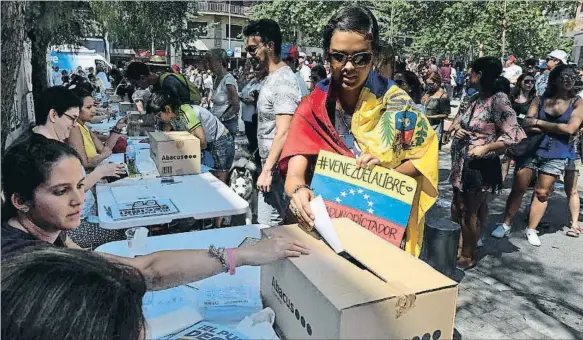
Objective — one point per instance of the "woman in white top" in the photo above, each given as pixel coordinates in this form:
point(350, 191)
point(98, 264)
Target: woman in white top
point(225, 97)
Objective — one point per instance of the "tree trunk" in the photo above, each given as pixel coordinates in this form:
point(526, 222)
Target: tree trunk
point(13, 37)
point(39, 47)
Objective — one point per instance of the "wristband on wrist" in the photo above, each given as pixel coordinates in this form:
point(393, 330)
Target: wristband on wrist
point(115, 130)
point(302, 186)
point(231, 258)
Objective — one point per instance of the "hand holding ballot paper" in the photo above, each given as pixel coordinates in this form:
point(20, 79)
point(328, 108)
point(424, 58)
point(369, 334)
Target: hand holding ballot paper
point(376, 198)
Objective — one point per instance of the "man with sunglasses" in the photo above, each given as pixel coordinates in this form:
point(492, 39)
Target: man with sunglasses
point(277, 101)
point(554, 59)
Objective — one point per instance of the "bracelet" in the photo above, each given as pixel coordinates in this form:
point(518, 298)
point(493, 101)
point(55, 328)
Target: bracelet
point(231, 257)
point(219, 254)
point(536, 123)
point(302, 186)
point(115, 130)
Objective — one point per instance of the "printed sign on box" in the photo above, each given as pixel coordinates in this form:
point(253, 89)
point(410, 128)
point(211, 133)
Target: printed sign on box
point(378, 199)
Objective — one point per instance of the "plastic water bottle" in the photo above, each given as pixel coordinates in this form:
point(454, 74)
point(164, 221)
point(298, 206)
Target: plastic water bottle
point(131, 158)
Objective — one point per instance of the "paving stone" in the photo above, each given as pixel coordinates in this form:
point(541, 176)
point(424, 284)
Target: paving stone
point(487, 279)
point(464, 313)
point(501, 287)
point(534, 334)
point(519, 323)
point(520, 336)
point(506, 327)
point(487, 332)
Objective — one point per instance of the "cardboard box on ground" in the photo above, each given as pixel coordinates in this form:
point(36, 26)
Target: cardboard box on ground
point(175, 153)
point(381, 293)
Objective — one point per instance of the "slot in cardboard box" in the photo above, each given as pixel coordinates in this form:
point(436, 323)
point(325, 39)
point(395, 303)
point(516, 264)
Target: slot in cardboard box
point(175, 153)
point(372, 291)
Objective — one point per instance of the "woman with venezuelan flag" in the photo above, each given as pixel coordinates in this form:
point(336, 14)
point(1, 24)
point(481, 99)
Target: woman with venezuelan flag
point(359, 113)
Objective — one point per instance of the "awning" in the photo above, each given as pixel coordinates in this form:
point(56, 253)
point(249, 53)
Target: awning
point(198, 45)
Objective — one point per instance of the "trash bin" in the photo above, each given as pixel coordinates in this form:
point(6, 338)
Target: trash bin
point(440, 245)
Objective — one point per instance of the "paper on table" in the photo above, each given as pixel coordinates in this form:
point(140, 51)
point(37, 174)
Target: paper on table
point(172, 322)
point(117, 158)
point(132, 193)
point(323, 224)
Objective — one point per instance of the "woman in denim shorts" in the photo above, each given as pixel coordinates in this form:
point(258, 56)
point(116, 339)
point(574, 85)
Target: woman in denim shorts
point(558, 114)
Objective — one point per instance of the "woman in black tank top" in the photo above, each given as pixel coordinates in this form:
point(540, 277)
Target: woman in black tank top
point(522, 95)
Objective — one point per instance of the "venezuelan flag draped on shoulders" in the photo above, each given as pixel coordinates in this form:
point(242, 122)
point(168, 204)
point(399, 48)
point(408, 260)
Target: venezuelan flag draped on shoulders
point(387, 125)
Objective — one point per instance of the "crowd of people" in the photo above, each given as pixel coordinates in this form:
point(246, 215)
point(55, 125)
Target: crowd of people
point(291, 109)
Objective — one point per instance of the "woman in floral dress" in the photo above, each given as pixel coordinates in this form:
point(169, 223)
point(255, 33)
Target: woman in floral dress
point(486, 128)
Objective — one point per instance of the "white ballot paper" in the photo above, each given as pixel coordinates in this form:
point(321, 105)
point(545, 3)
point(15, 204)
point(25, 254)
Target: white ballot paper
point(323, 224)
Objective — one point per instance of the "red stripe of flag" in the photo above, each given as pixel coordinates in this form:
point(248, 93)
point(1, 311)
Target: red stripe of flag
point(386, 230)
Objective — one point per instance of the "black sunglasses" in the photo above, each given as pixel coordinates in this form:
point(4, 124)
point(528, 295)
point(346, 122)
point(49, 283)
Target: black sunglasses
point(553, 59)
point(360, 59)
point(253, 49)
point(529, 81)
point(568, 77)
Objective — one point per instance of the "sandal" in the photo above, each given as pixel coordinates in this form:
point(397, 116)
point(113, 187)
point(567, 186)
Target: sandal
point(572, 233)
point(465, 263)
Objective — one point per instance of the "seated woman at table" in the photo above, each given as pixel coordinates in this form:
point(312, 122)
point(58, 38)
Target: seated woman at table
point(92, 150)
point(358, 112)
point(44, 191)
point(57, 111)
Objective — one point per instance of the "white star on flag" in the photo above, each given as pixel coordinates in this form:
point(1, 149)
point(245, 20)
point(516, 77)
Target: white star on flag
point(370, 203)
point(352, 191)
point(366, 197)
point(370, 211)
point(343, 194)
point(338, 199)
point(360, 191)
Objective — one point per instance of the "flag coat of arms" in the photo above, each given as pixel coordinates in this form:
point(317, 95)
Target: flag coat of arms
point(378, 199)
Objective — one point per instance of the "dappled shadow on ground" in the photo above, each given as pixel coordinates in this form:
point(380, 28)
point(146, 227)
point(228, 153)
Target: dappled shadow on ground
point(539, 274)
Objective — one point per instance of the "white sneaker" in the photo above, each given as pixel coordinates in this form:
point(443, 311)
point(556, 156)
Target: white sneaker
point(532, 237)
point(501, 230)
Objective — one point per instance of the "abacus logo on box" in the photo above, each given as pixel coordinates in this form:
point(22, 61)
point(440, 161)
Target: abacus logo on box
point(177, 157)
point(283, 298)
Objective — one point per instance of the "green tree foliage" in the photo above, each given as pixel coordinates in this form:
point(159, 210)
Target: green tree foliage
point(468, 26)
point(138, 24)
point(461, 28)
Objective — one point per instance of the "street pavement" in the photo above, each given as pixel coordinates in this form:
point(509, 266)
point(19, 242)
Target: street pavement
point(518, 291)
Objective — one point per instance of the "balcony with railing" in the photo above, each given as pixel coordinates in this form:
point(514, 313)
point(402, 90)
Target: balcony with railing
point(222, 8)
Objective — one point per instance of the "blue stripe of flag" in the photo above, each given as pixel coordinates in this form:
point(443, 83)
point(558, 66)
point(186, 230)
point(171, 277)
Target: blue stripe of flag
point(365, 200)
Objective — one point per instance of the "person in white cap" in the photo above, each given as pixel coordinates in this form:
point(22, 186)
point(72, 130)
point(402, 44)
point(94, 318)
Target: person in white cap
point(305, 70)
point(554, 59)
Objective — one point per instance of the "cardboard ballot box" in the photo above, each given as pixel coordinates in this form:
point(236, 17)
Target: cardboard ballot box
point(376, 292)
point(175, 153)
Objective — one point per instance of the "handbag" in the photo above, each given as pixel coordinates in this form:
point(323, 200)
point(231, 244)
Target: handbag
point(525, 147)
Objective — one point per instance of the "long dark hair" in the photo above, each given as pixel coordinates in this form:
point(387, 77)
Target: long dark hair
point(555, 79)
point(27, 165)
point(516, 91)
point(349, 19)
point(52, 293)
point(159, 100)
point(491, 81)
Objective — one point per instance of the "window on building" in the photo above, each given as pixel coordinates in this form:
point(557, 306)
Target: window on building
point(236, 31)
point(200, 27)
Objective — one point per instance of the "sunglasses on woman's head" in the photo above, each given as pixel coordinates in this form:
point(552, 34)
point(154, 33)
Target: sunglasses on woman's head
point(360, 59)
